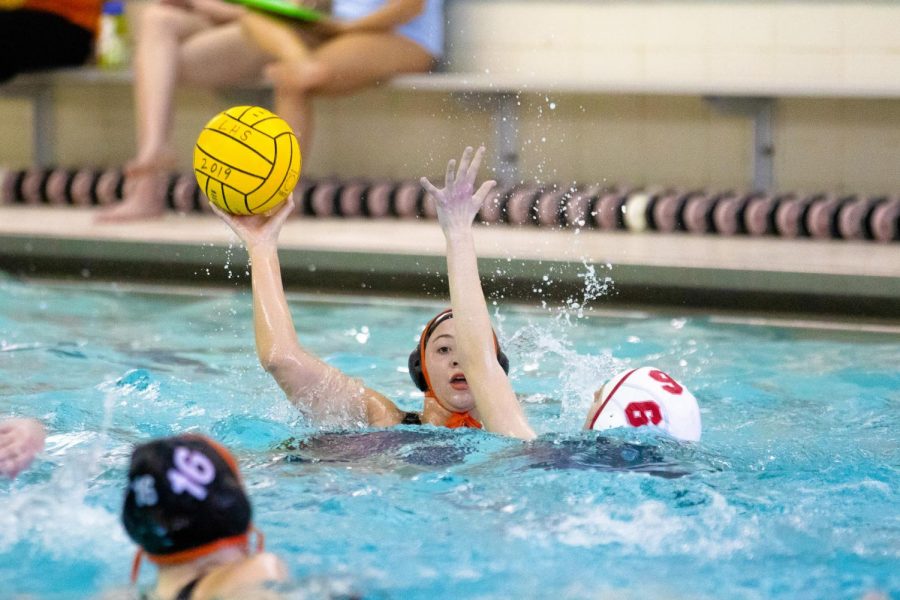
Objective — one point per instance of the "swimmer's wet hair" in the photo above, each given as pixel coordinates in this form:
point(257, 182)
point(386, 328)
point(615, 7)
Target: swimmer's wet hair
point(184, 499)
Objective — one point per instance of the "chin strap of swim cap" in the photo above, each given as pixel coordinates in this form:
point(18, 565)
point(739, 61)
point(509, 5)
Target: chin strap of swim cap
point(195, 553)
point(136, 565)
point(260, 539)
point(456, 419)
point(463, 419)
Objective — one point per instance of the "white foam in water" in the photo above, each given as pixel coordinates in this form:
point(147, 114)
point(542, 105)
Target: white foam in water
point(548, 342)
point(651, 528)
point(8, 347)
point(579, 376)
point(338, 396)
point(594, 287)
point(134, 383)
point(56, 516)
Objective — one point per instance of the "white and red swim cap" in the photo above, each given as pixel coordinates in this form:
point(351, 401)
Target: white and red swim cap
point(648, 397)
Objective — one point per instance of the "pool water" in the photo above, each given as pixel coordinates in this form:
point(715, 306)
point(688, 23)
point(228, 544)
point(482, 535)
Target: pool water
point(790, 494)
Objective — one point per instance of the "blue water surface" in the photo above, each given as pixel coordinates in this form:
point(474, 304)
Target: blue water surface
point(790, 494)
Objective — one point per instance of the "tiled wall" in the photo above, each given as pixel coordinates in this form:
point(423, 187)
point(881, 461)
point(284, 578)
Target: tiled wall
point(753, 41)
point(835, 144)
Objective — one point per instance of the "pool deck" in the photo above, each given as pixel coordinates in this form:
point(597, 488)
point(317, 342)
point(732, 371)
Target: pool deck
point(843, 279)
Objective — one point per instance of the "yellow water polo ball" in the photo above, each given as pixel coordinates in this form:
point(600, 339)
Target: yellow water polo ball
point(247, 160)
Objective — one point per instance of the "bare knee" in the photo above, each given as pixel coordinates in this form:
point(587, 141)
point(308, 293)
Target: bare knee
point(162, 19)
point(253, 24)
point(300, 78)
point(318, 74)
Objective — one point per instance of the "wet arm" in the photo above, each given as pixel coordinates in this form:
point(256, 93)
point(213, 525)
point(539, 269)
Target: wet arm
point(317, 389)
point(277, 345)
point(495, 399)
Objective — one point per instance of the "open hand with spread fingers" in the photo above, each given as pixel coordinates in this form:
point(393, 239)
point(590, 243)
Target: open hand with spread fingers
point(457, 202)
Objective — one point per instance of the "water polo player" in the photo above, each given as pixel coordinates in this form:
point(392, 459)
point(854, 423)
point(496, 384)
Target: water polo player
point(639, 397)
point(186, 508)
point(327, 395)
point(646, 397)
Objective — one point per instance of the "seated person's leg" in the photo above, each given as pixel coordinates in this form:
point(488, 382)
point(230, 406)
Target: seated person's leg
point(338, 66)
point(350, 62)
point(277, 38)
point(162, 31)
point(177, 46)
point(222, 56)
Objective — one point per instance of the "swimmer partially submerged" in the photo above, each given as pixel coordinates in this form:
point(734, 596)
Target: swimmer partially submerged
point(635, 398)
point(327, 395)
point(458, 362)
point(644, 397)
point(186, 508)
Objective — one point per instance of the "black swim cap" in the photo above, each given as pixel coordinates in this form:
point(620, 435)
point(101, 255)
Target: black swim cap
point(184, 493)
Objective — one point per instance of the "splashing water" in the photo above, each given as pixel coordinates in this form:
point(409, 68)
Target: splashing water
point(544, 347)
point(788, 495)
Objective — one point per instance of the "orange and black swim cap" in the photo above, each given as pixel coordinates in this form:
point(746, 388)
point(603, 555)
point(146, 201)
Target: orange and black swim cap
point(417, 356)
point(184, 499)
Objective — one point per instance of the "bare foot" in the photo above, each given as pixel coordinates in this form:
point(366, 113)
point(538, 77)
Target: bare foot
point(145, 198)
point(155, 163)
point(298, 76)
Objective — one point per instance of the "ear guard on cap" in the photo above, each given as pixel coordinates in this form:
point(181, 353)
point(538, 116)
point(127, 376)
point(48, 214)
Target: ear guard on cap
point(415, 357)
point(648, 396)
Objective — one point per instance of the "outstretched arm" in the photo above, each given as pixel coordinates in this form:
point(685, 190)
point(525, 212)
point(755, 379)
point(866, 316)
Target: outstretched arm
point(317, 389)
point(20, 441)
point(457, 205)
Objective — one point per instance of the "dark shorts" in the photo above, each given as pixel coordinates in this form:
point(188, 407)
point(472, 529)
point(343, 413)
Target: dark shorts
point(32, 40)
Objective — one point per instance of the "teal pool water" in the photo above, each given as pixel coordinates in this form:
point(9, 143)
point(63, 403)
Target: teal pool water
point(790, 494)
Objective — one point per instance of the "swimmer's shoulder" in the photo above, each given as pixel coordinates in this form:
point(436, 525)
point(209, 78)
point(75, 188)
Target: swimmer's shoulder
point(381, 411)
point(245, 579)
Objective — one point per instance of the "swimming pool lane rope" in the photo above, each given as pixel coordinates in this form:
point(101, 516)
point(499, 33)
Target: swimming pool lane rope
point(601, 207)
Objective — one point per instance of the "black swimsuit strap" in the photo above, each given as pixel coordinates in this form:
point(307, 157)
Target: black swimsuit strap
point(186, 591)
point(411, 418)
